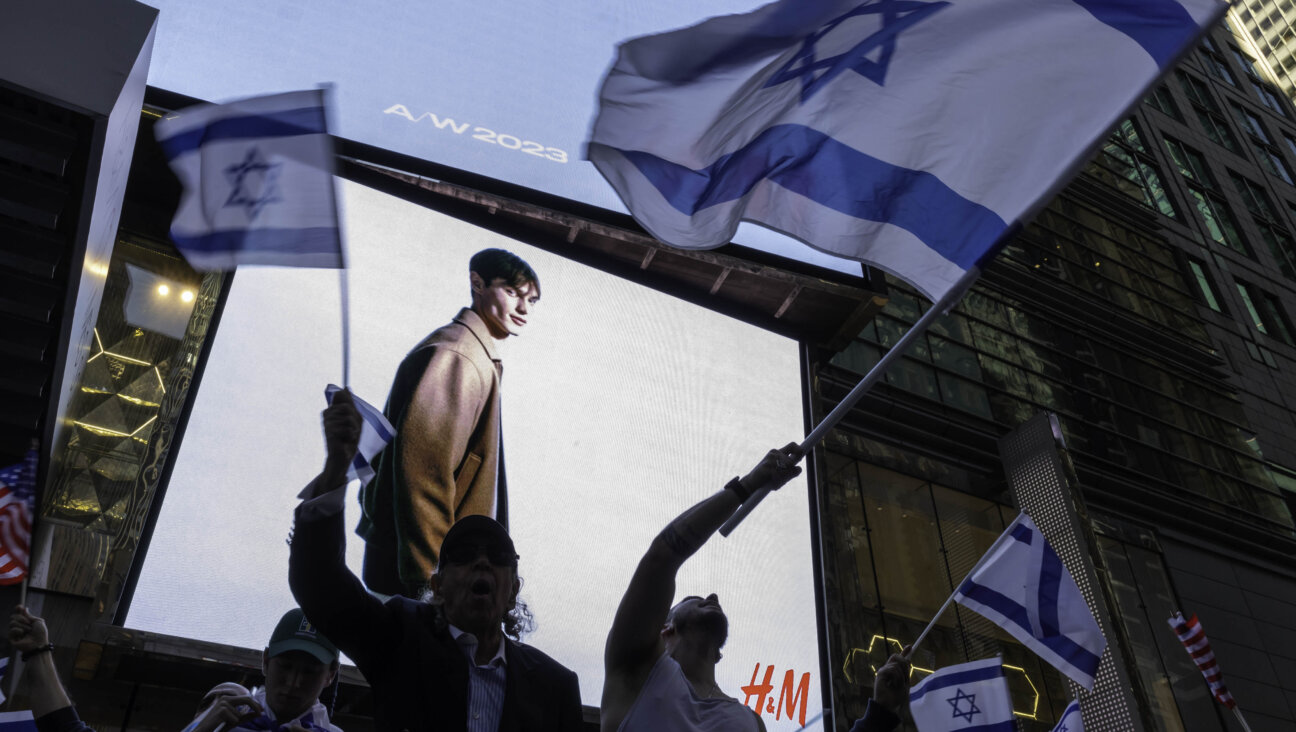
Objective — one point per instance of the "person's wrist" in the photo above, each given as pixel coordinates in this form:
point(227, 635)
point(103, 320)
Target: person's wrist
point(31, 653)
point(739, 488)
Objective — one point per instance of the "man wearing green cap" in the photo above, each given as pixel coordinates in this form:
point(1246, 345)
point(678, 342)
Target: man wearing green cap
point(298, 663)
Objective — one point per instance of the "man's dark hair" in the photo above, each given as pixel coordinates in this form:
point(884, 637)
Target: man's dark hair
point(492, 264)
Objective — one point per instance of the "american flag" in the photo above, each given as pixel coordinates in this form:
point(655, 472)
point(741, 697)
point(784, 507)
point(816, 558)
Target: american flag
point(17, 490)
point(1193, 637)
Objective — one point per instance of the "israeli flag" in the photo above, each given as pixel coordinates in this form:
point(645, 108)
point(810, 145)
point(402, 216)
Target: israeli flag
point(1021, 585)
point(969, 697)
point(1071, 720)
point(258, 182)
point(907, 134)
point(375, 434)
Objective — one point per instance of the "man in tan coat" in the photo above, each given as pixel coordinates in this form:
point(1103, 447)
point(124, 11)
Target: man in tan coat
point(446, 460)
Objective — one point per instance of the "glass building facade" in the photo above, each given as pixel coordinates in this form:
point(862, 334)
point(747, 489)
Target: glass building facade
point(1148, 307)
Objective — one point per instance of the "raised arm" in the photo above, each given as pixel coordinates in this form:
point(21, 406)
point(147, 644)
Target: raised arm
point(29, 635)
point(330, 595)
point(634, 643)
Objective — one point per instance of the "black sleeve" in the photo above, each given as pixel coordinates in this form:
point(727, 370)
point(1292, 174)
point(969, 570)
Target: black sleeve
point(61, 720)
point(573, 715)
point(877, 718)
point(332, 597)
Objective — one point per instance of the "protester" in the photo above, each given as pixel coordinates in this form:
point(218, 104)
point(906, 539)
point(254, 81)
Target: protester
point(50, 704)
point(443, 662)
point(660, 660)
point(890, 696)
point(446, 460)
point(299, 663)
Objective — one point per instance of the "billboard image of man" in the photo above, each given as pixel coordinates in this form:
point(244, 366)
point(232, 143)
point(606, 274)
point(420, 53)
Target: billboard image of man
point(446, 460)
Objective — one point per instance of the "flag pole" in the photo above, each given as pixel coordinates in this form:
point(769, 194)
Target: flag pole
point(1241, 720)
point(984, 556)
point(939, 308)
point(346, 323)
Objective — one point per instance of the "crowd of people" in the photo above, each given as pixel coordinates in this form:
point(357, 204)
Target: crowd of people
point(436, 625)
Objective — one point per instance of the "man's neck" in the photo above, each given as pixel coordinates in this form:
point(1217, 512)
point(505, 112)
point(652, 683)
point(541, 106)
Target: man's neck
point(699, 669)
point(488, 642)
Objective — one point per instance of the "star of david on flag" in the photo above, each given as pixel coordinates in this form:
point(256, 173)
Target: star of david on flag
point(1070, 720)
point(913, 135)
point(969, 696)
point(1023, 587)
point(375, 433)
point(258, 182)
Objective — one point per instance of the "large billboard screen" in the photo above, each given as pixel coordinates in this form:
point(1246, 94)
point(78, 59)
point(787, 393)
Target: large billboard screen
point(621, 407)
point(503, 89)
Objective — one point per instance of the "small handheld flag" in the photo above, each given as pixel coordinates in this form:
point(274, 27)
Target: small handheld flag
point(1194, 640)
point(1022, 586)
point(258, 182)
point(17, 498)
point(1070, 720)
point(969, 696)
point(375, 433)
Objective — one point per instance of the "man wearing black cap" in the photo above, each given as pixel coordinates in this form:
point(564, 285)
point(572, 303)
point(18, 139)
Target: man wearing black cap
point(443, 662)
point(298, 663)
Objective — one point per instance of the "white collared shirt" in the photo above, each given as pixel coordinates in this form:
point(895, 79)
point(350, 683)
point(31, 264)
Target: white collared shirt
point(485, 684)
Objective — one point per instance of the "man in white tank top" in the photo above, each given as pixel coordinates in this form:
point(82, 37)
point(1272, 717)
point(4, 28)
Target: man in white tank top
point(660, 660)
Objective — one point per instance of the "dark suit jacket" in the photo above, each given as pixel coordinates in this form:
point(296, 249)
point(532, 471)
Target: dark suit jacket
point(418, 674)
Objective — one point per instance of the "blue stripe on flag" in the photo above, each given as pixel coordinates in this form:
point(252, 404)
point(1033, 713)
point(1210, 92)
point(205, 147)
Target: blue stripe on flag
point(1014, 613)
point(290, 122)
point(1050, 584)
point(314, 240)
point(962, 677)
point(813, 164)
point(1008, 726)
point(375, 420)
point(1161, 27)
point(1022, 534)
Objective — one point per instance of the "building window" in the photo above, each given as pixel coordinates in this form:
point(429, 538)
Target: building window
point(1268, 97)
point(1262, 143)
point(1280, 247)
point(1215, 213)
point(1216, 67)
point(1204, 284)
point(1266, 312)
point(1208, 112)
point(1161, 99)
point(1256, 198)
point(1191, 163)
point(1124, 163)
point(1246, 62)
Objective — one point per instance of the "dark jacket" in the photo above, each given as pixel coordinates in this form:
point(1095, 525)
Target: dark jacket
point(877, 718)
point(418, 674)
point(61, 720)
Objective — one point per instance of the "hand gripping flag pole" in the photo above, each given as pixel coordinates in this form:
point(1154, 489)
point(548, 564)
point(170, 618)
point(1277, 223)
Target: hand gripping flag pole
point(939, 308)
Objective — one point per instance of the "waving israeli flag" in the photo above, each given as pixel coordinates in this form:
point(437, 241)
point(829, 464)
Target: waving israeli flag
point(1022, 586)
point(970, 696)
point(375, 433)
point(908, 134)
point(1070, 720)
point(258, 182)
